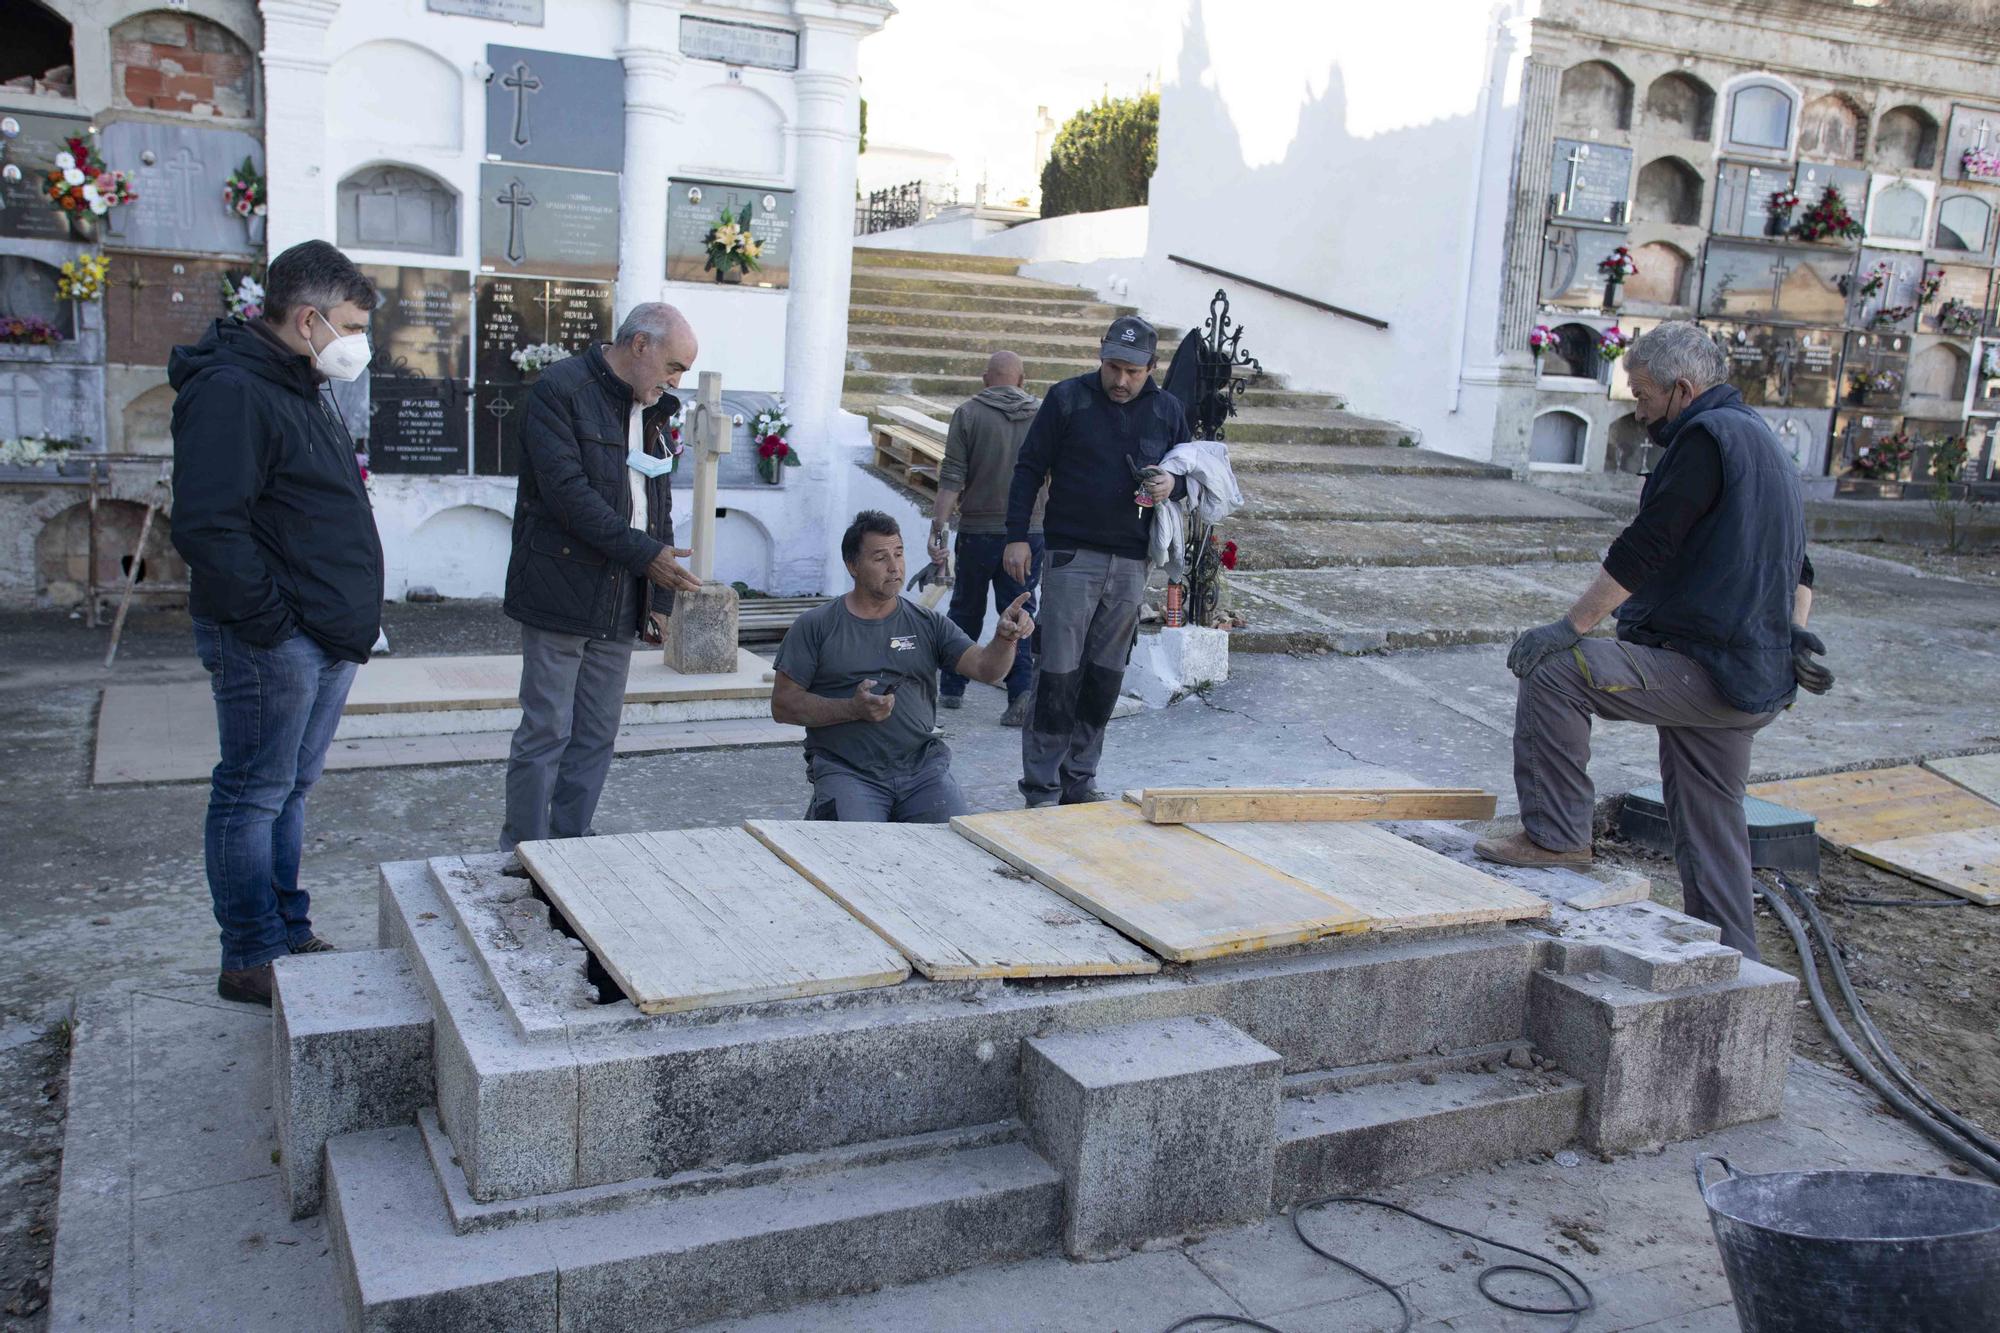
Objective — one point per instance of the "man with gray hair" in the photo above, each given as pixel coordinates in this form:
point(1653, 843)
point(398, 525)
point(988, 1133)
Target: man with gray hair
point(593, 561)
point(1711, 589)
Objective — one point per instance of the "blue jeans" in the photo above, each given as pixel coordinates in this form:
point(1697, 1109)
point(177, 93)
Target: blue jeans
point(275, 711)
point(977, 556)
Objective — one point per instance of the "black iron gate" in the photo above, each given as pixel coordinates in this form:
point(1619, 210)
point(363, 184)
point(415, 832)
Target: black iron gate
point(1226, 370)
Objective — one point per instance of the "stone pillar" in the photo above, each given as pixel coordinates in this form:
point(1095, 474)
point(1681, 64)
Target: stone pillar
point(827, 138)
point(653, 61)
point(295, 93)
point(1526, 221)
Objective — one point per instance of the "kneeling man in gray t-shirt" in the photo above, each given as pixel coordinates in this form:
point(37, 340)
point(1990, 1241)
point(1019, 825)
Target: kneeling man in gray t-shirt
point(860, 674)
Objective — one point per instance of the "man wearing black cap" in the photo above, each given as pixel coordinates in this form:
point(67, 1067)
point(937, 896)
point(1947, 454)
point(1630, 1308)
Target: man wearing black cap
point(1097, 441)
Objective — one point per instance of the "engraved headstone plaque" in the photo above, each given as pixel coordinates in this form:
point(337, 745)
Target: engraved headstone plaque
point(1743, 199)
point(1971, 129)
point(1774, 365)
point(1592, 182)
point(555, 109)
point(548, 222)
point(1570, 256)
point(496, 429)
point(1811, 184)
point(1874, 369)
point(1957, 310)
point(417, 425)
point(394, 208)
point(512, 313)
point(1857, 431)
point(66, 402)
point(25, 211)
point(739, 43)
point(1773, 283)
point(1802, 433)
point(694, 207)
point(178, 172)
point(155, 303)
point(1877, 310)
point(423, 327)
point(525, 12)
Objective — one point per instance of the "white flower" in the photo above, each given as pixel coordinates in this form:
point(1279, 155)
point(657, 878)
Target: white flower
point(65, 162)
point(71, 176)
point(99, 207)
point(258, 210)
point(90, 194)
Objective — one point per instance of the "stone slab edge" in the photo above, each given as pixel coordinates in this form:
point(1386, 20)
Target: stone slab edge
point(90, 1280)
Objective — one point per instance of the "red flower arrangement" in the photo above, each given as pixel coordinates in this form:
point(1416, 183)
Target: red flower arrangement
point(1828, 217)
point(1883, 459)
point(773, 430)
point(1229, 555)
point(80, 183)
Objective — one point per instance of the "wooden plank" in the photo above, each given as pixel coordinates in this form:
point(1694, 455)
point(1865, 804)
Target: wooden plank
point(951, 909)
point(702, 917)
point(428, 684)
point(1183, 896)
point(1877, 804)
point(1192, 805)
point(1964, 861)
point(1977, 773)
point(1397, 883)
point(912, 420)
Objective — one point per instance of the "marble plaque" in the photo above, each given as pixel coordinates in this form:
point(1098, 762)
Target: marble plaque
point(1856, 430)
point(1965, 225)
point(526, 12)
point(178, 172)
point(1874, 369)
point(1970, 127)
point(1743, 199)
point(1982, 449)
point(1776, 366)
point(66, 402)
point(1898, 292)
point(1986, 377)
point(555, 109)
point(1802, 433)
point(693, 209)
point(1570, 256)
point(548, 222)
point(423, 327)
point(1773, 283)
point(1966, 285)
point(738, 467)
point(1811, 182)
point(739, 43)
point(511, 313)
point(28, 291)
point(417, 425)
point(25, 211)
point(156, 303)
point(496, 427)
point(1592, 182)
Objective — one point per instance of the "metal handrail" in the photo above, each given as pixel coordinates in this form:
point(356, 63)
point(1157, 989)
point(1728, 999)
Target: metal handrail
point(1316, 304)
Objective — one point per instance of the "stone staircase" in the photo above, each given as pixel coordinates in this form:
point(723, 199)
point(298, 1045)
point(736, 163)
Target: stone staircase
point(1351, 539)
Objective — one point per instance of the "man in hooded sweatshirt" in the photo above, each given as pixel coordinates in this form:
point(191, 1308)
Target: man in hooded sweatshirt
point(285, 583)
point(979, 453)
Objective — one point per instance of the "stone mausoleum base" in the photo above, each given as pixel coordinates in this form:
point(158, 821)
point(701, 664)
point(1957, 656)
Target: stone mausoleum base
point(496, 1148)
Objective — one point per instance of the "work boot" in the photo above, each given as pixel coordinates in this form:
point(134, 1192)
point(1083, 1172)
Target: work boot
point(1017, 711)
point(245, 985)
point(1088, 796)
point(951, 701)
point(314, 944)
point(1518, 849)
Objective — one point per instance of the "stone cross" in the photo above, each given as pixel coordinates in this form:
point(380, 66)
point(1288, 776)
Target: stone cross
point(1779, 268)
point(515, 200)
point(185, 168)
point(1985, 128)
point(700, 637)
point(711, 441)
point(522, 82)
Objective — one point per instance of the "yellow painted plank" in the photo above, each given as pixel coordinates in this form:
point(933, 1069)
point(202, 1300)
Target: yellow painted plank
point(701, 917)
point(1183, 896)
point(1194, 805)
point(1963, 861)
point(1397, 883)
point(1977, 773)
point(1882, 803)
point(953, 910)
point(426, 684)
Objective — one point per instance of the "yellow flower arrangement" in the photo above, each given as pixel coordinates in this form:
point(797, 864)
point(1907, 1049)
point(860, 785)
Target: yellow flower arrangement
point(83, 278)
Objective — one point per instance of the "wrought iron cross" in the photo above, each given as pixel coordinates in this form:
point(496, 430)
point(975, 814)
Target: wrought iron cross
point(522, 82)
point(499, 407)
point(515, 201)
point(1785, 354)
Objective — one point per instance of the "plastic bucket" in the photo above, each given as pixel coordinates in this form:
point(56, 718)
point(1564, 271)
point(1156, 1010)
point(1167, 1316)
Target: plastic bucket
point(1859, 1251)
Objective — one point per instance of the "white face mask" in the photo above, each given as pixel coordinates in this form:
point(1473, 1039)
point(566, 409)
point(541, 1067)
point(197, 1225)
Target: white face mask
point(345, 357)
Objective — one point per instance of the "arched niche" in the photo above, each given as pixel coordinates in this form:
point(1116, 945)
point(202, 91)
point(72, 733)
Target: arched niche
point(743, 550)
point(39, 56)
point(1964, 222)
point(1938, 371)
point(1574, 353)
point(1625, 446)
point(62, 549)
point(397, 93)
point(147, 421)
point(1559, 439)
point(388, 206)
point(733, 125)
point(1662, 278)
point(28, 291)
point(462, 550)
point(182, 63)
point(1594, 95)
point(1906, 139)
point(1681, 104)
point(1762, 113)
point(1832, 126)
point(1669, 190)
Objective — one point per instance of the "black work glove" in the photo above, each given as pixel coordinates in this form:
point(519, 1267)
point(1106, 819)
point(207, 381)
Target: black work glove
point(1812, 676)
point(1537, 644)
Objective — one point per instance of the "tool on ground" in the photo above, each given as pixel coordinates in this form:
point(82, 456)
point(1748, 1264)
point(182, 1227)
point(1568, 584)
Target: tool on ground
point(162, 492)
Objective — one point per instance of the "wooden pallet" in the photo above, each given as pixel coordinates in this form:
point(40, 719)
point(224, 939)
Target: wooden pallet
point(909, 457)
point(766, 619)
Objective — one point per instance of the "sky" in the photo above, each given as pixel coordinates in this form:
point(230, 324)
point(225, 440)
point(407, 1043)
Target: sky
point(964, 76)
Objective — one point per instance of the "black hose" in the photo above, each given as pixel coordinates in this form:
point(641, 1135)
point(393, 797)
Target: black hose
point(1944, 1137)
point(1905, 902)
point(1876, 1041)
point(1577, 1302)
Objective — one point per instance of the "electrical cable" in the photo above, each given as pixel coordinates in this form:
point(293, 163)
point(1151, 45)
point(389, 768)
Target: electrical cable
point(1873, 1036)
point(1943, 1136)
point(1905, 902)
point(1578, 1301)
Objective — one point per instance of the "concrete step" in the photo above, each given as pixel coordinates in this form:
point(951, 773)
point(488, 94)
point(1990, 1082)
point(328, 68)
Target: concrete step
point(1385, 458)
point(1280, 544)
point(1391, 608)
point(866, 355)
point(662, 1265)
point(985, 323)
point(1389, 498)
point(1334, 1140)
point(964, 284)
point(1301, 418)
point(982, 341)
point(868, 257)
point(1079, 306)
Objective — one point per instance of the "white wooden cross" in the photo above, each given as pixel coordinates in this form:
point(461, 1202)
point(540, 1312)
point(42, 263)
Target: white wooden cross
point(1577, 156)
point(1985, 128)
point(710, 428)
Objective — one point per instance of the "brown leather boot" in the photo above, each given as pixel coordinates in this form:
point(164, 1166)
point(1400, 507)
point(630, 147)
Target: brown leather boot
point(1518, 849)
point(245, 985)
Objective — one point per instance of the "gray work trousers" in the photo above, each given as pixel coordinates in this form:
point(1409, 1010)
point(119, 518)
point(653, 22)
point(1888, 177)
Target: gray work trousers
point(572, 696)
point(1090, 615)
point(1704, 763)
point(926, 794)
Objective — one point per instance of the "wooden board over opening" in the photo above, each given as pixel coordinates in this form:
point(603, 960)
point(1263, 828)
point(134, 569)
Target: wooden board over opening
point(1194, 805)
point(953, 910)
point(1183, 896)
point(1397, 883)
point(1964, 861)
point(1876, 804)
point(701, 917)
point(1977, 773)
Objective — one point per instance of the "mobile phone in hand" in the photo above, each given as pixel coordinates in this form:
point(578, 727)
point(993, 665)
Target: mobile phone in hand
point(884, 691)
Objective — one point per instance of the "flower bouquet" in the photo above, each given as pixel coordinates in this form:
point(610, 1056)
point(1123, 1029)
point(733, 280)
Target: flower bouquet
point(1883, 459)
point(1927, 290)
point(1616, 267)
point(1828, 218)
point(28, 450)
point(1957, 319)
point(1540, 340)
point(246, 195)
point(1889, 316)
point(1876, 279)
point(84, 189)
point(537, 356)
point(82, 278)
point(772, 431)
point(244, 295)
point(27, 331)
point(1780, 206)
point(1981, 162)
point(1612, 343)
point(732, 247)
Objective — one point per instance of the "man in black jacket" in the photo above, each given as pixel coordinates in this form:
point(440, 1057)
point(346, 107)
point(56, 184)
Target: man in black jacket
point(286, 583)
point(1097, 441)
point(581, 576)
point(1711, 589)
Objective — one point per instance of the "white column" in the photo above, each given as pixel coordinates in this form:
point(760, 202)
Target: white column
point(295, 65)
point(827, 140)
point(653, 61)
